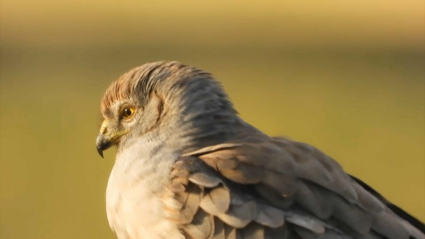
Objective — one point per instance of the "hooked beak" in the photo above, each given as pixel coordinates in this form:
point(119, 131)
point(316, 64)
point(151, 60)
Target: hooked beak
point(103, 140)
point(102, 143)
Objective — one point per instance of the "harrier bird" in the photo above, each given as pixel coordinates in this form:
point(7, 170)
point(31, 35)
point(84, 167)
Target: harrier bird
point(188, 167)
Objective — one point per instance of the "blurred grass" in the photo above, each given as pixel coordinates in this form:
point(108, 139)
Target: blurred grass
point(364, 108)
point(272, 23)
point(347, 77)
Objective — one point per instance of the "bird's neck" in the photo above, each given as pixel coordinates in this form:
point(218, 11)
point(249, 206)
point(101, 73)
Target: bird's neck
point(142, 171)
point(209, 131)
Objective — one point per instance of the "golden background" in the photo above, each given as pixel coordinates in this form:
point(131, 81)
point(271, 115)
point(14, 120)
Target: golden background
point(345, 76)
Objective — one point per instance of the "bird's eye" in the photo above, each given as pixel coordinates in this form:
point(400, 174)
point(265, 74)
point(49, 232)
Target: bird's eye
point(127, 112)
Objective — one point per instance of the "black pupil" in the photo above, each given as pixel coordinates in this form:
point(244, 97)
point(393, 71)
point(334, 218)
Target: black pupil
point(127, 112)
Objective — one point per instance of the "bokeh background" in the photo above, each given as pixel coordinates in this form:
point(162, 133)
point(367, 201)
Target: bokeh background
point(345, 76)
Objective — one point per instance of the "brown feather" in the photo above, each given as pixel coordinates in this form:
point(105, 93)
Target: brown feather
point(216, 201)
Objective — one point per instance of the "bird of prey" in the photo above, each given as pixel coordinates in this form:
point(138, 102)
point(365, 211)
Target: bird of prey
point(188, 167)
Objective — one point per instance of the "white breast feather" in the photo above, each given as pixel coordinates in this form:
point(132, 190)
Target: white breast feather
point(134, 205)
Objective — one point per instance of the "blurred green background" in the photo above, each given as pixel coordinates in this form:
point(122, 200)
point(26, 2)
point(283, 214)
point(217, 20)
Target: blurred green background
point(345, 76)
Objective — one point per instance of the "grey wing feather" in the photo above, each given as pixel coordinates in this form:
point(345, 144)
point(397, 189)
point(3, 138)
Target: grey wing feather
point(276, 189)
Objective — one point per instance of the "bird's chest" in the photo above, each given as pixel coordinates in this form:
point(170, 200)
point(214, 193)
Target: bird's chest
point(134, 202)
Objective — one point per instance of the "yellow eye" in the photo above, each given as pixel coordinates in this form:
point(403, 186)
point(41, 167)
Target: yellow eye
point(127, 112)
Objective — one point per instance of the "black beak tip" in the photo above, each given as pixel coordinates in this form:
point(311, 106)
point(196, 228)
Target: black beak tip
point(100, 151)
point(102, 144)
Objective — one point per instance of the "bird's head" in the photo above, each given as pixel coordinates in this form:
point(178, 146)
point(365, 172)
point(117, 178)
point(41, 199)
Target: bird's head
point(161, 100)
